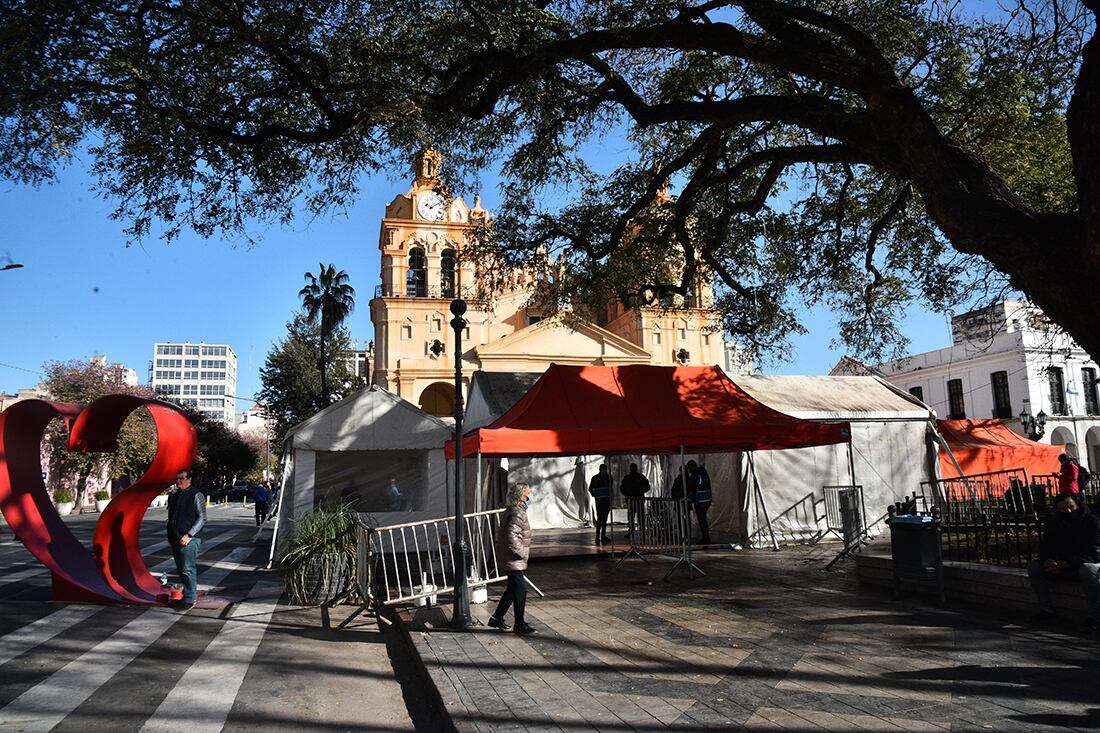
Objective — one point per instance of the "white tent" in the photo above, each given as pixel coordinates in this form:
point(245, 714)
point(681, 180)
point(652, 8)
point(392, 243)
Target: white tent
point(374, 450)
point(892, 453)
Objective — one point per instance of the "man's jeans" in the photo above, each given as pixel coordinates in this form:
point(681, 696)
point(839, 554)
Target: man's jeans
point(1089, 575)
point(186, 558)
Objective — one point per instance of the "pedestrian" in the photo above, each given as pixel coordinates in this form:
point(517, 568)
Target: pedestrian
point(600, 489)
point(701, 497)
point(262, 500)
point(682, 508)
point(1070, 549)
point(634, 487)
point(513, 546)
point(1067, 477)
point(186, 517)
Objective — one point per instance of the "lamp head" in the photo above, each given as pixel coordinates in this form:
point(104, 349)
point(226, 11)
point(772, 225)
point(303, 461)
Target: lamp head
point(458, 307)
point(1041, 419)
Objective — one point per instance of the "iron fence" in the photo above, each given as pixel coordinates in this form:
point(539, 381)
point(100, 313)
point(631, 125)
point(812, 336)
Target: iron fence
point(661, 526)
point(993, 518)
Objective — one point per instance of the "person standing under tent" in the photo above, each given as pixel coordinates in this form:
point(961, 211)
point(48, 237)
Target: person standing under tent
point(262, 500)
point(600, 489)
point(513, 547)
point(683, 509)
point(186, 517)
point(1067, 477)
point(699, 493)
point(634, 487)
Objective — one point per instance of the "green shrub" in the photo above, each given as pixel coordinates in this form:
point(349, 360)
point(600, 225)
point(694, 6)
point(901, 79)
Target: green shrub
point(62, 496)
point(324, 542)
point(102, 495)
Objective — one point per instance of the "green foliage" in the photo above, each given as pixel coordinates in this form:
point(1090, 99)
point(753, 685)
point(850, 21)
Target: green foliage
point(81, 382)
point(102, 495)
point(323, 544)
point(62, 496)
point(329, 530)
point(864, 156)
point(329, 299)
point(291, 378)
point(223, 454)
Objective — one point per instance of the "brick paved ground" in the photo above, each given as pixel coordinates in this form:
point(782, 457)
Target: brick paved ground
point(767, 641)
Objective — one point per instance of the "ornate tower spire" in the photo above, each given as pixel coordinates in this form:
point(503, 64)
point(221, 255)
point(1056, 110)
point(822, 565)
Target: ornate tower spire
point(427, 165)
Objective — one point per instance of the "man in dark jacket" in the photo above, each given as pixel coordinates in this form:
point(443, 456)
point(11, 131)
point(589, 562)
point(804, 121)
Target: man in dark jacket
point(1070, 548)
point(600, 489)
point(634, 487)
point(186, 517)
point(699, 493)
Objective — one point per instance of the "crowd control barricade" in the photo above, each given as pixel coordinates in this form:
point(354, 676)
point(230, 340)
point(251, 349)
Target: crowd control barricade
point(661, 526)
point(413, 562)
point(846, 517)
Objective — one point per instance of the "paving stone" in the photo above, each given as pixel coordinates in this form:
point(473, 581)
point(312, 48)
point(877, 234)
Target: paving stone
point(766, 641)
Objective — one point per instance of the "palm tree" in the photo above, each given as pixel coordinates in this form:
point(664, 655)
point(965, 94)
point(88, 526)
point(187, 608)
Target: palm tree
point(329, 297)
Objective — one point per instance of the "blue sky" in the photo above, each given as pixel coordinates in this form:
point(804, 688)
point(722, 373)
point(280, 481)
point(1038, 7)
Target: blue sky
point(83, 291)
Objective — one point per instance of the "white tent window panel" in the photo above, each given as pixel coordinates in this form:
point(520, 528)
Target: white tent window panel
point(362, 478)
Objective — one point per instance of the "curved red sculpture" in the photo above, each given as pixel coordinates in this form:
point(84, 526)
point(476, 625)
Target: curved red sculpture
point(114, 570)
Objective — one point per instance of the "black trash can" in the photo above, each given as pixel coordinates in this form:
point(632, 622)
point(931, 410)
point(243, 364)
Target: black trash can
point(915, 551)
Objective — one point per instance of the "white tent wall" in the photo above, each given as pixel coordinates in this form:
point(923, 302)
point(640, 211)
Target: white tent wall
point(351, 450)
point(889, 458)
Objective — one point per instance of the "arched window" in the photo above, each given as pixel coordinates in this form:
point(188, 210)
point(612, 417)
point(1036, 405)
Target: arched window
point(416, 281)
point(447, 273)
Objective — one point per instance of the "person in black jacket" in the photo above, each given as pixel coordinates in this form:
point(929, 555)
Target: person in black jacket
point(1070, 548)
point(634, 487)
point(186, 517)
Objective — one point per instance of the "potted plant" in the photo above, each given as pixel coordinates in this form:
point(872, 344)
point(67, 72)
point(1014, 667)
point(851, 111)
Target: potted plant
point(63, 498)
point(102, 499)
point(320, 557)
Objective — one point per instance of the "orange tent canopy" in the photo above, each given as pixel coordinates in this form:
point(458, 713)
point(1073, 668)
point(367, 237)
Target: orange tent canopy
point(601, 410)
point(986, 446)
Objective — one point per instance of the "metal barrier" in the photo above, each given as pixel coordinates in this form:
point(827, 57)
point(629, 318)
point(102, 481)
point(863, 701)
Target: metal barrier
point(660, 526)
point(846, 517)
point(404, 563)
point(993, 518)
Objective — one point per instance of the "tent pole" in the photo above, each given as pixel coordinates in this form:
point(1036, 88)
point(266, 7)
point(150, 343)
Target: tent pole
point(479, 499)
point(685, 525)
point(611, 512)
point(760, 500)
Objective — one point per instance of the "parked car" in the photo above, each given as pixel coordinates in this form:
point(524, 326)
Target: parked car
point(241, 490)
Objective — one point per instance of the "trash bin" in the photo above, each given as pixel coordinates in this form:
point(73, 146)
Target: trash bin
point(915, 551)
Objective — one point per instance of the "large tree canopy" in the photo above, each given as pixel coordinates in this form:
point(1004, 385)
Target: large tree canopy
point(863, 154)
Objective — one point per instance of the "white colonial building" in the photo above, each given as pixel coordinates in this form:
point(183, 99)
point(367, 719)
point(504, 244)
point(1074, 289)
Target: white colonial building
point(1004, 361)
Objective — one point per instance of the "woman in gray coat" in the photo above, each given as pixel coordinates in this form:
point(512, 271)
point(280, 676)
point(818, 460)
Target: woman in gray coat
point(513, 545)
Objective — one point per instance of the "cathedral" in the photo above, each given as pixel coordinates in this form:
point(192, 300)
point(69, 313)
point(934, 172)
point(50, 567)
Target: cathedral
point(421, 239)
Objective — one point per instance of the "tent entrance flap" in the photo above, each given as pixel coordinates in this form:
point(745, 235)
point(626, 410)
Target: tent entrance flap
point(373, 481)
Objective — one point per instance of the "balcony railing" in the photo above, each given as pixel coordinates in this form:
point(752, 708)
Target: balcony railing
point(466, 292)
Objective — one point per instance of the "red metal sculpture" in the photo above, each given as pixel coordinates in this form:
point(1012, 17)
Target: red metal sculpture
point(114, 570)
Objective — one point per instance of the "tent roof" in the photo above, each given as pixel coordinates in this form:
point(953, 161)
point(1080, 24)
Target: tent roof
point(371, 419)
point(985, 446)
point(640, 408)
point(832, 398)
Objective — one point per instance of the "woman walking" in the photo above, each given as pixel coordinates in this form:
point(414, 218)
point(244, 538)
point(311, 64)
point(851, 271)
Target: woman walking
point(513, 545)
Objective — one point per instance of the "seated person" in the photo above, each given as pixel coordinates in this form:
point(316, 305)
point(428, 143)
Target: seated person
point(1070, 549)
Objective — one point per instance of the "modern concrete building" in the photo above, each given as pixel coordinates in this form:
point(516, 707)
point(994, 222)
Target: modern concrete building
point(1005, 361)
point(421, 240)
point(198, 374)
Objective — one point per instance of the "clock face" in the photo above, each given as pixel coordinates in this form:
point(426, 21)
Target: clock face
point(431, 206)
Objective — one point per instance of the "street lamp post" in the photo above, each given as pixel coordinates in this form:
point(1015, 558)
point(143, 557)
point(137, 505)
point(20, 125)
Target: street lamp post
point(1034, 426)
point(460, 616)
